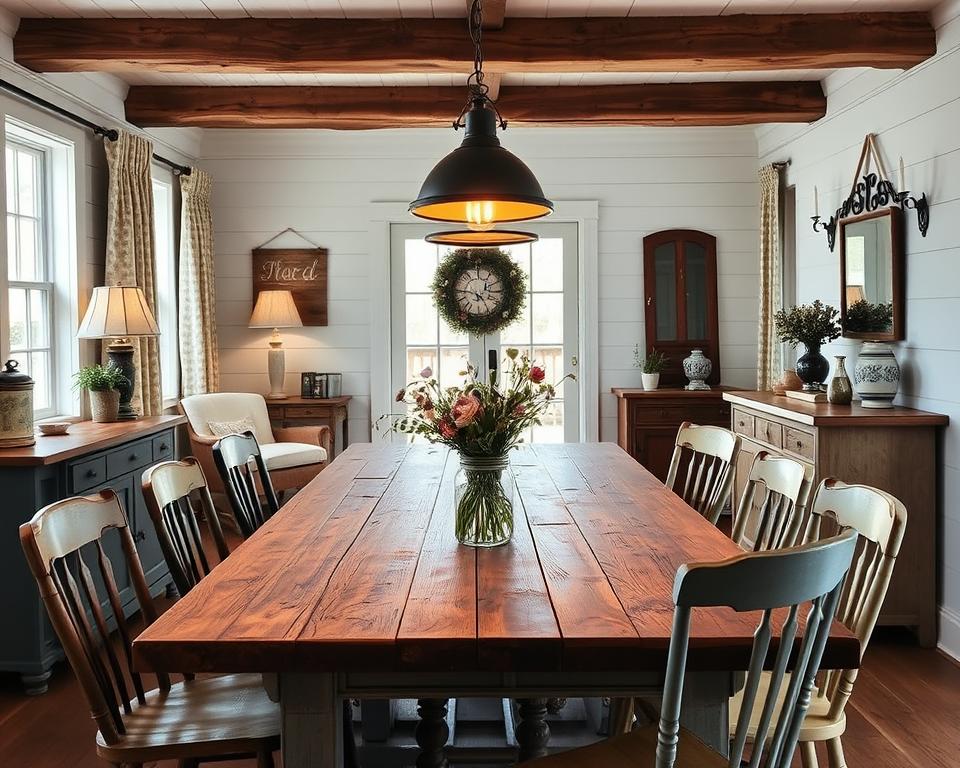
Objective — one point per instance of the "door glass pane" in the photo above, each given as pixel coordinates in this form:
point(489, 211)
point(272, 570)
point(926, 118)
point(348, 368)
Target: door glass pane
point(696, 278)
point(551, 360)
point(421, 319)
point(419, 358)
point(453, 361)
point(421, 264)
point(546, 268)
point(19, 338)
point(547, 311)
point(518, 332)
point(550, 430)
point(665, 268)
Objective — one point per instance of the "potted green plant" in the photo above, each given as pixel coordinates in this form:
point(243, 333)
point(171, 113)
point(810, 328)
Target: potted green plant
point(103, 383)
point(866, 317)
point(650, 367)
point(811, 325)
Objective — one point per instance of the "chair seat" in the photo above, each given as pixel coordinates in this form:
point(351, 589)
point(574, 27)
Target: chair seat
point(286, 455)
point(205, 717)
point(636, 749)
point(818, 725)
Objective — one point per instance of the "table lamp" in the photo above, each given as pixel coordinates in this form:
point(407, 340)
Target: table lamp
point(275, 309)
point(119, 312)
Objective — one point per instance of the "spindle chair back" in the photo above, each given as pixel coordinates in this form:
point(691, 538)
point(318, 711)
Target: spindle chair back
point(710, 454)
point(771, 510)
point(242, 469)
point(177, 493)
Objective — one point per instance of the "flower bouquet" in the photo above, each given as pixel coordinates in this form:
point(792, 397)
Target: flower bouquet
point(482, 421)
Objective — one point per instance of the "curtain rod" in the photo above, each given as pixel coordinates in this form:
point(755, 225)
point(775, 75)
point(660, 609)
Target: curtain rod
point(98, 130)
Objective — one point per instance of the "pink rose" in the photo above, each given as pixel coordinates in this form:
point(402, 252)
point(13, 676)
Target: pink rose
point(520, 410)
point(447, 428)
point(427, 372)
point(430, 414)
point(465, 411)
point(537, 374)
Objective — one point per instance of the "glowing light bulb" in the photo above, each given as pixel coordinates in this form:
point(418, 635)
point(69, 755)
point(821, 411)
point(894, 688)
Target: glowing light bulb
point(480, 215)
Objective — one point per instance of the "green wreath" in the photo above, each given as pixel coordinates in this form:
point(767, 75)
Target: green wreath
point(498, 262)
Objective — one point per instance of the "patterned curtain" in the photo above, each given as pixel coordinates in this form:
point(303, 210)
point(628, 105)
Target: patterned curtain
point(769, 363)
point(130, 251)
point(199, 355)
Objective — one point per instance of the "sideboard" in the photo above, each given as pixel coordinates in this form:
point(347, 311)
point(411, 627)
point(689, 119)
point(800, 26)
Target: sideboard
point(894, 449)
point(648, 420)
point(89, 458)
point(306, 411)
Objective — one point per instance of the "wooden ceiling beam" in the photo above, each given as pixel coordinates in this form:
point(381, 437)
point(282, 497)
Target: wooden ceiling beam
point(722, 103)
point(595, 44)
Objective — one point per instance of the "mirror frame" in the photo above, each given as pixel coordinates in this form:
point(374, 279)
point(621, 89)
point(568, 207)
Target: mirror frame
point(896, 332)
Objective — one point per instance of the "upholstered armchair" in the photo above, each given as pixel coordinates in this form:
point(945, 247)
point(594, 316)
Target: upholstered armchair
point(293, 455)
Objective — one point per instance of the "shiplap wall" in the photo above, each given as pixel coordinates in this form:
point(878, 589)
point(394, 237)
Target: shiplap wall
point(915, 115)
point(322, 182)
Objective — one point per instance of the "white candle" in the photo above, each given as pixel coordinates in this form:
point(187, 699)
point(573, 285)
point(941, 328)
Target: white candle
point(816, 202)
point(903, 185)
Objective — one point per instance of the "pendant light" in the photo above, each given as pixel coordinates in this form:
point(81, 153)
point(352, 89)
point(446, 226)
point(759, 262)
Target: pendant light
point(480, 184)
point(491, 238)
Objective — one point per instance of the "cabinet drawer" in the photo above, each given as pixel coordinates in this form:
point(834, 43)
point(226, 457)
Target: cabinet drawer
point(768, 431)
point(799, 442)
point(85, 475)
point(743, 423)
point(315, 411)
point(129, 458)
point(163, 447)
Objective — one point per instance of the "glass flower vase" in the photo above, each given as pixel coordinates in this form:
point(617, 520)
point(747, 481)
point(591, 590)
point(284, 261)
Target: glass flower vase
point(483, 501)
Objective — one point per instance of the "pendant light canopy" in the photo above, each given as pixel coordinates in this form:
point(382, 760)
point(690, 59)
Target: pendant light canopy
point(491, 238)
point(480, 184)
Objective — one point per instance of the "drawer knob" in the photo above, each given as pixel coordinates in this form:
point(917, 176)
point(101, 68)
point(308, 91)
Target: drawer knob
point(799, 443)
point(91, 473)
point(140, 536)
point(133, 457)
point(163, 446)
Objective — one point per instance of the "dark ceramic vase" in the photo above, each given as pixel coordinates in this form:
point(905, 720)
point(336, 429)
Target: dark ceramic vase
point(813, 368)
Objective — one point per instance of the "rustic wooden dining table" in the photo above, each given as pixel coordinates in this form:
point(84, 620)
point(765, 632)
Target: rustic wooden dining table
point(357, 587)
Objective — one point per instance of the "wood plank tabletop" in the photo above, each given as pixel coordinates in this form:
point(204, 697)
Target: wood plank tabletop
point(361, 571)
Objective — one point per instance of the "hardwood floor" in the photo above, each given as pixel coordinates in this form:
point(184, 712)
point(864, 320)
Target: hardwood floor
point(902, 715)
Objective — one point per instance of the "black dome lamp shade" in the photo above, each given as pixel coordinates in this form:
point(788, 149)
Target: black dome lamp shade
point(480, 184)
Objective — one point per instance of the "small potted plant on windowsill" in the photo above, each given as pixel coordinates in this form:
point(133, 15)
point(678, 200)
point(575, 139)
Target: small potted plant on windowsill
point(102, 382)
point(650, 367)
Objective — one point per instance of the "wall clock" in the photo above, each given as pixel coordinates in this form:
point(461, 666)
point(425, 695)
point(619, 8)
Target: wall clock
point(479, 290)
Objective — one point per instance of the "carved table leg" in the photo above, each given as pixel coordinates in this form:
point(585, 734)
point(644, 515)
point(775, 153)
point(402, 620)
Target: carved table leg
point(432, 732)
point(533, 733)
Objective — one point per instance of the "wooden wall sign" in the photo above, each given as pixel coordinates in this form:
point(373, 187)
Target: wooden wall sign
point(302, 271)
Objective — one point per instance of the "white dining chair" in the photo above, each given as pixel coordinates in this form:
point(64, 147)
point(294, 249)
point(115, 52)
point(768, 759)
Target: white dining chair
point(808, 578)
point(879, 520)
point(709, 453)
point(772, 508)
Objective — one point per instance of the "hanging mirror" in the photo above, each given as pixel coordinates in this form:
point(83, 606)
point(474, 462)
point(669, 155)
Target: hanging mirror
point(871, 275)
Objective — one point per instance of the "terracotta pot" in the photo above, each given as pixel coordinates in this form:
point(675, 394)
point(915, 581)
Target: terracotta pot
point(104, 405)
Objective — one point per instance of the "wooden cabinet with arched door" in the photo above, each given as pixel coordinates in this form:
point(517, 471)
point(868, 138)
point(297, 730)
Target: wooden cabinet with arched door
point(680, 299)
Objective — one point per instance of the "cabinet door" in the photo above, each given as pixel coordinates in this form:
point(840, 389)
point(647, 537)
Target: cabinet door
point(654, 448)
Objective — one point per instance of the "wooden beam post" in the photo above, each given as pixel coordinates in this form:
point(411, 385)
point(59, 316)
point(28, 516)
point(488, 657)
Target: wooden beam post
point(721, 103)
point(655, 44)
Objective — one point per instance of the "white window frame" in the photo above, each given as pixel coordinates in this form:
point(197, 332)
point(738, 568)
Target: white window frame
point(64, 174)
point(166, 288)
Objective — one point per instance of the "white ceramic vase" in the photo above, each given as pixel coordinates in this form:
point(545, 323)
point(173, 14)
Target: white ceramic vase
point(650, 381)
point(876, 375)
point(697, 369)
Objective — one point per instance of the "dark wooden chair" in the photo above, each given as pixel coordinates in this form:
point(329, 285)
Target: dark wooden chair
point(233, 456)
point(197, 720)
point(176, 493)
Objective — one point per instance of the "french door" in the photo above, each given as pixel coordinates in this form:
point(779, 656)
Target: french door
point(547, 330)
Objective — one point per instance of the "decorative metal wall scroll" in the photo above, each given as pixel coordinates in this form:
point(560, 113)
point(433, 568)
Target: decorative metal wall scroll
point(874, 190)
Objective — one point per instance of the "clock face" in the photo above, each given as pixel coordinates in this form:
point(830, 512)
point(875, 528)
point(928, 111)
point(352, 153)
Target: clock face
point(478, 291)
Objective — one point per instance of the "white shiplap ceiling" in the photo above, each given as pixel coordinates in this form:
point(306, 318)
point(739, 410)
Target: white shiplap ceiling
point(355, 9)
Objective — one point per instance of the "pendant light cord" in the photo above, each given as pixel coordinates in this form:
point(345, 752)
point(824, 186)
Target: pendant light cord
point(479, 91)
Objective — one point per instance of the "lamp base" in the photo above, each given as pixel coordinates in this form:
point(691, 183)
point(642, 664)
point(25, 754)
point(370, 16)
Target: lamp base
point(120, 353)
point(276, 366)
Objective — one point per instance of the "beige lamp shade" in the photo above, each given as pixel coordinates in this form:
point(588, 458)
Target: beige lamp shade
point(117, 311)
point(275, 309)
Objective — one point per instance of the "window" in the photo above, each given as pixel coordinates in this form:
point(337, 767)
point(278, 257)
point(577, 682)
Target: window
point(166, 258)
point(29, 269)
